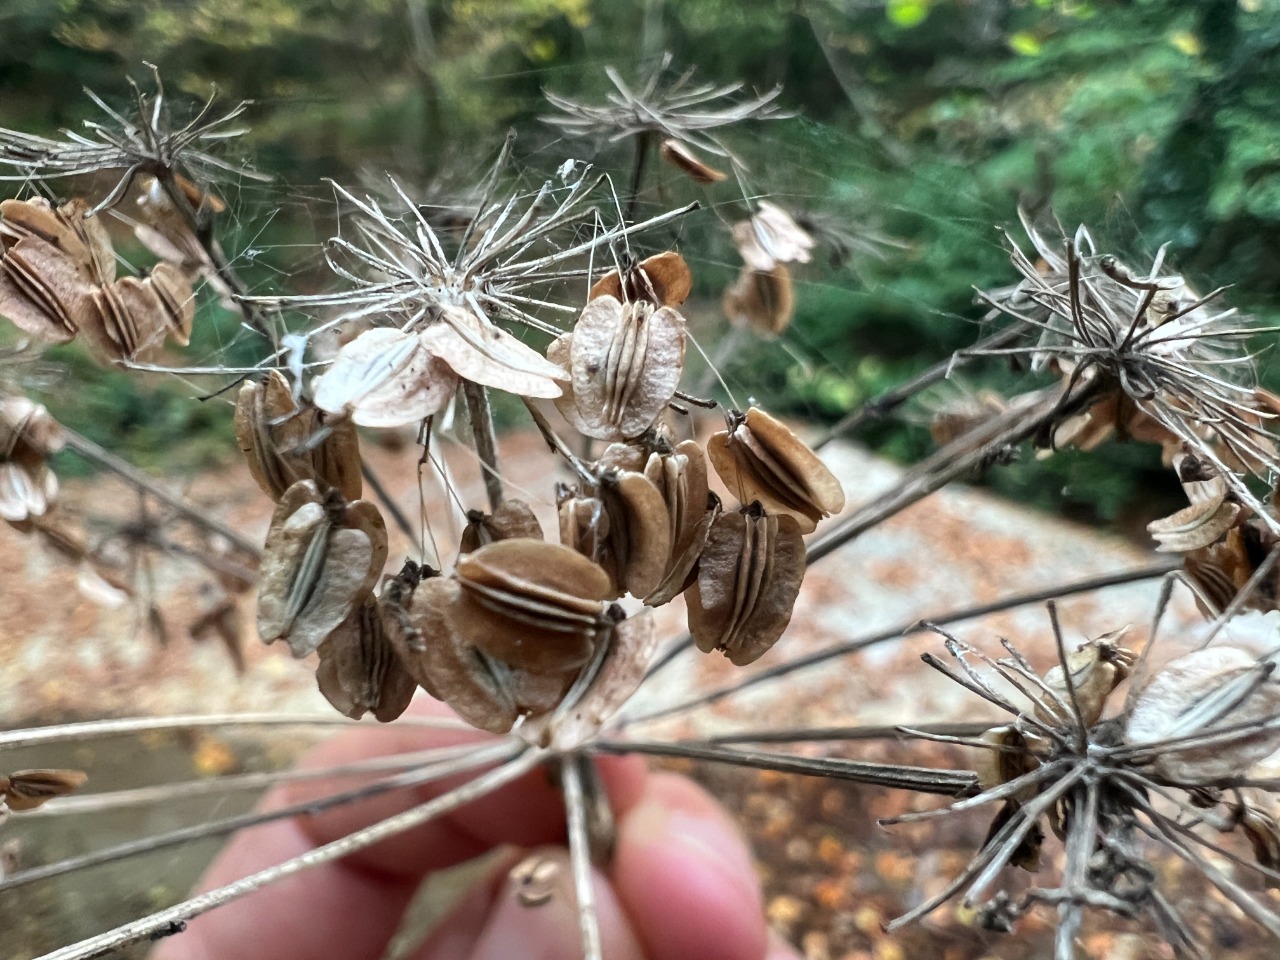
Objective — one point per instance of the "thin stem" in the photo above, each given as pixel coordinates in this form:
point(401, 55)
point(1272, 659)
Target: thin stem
point(165, 920)
point(387, 501)
point(481, 416)
point(642, 140)
point(128, 472)
point(580, 856)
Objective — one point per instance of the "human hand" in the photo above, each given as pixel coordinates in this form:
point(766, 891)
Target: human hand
point(681, 886)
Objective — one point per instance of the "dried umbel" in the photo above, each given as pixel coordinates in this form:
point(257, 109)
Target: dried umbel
point(759, 458)
point(771, 238)
point(284, 442)
point(1208, 716)
point(25, 790)
point(321, 560)
point(57, 280)
point(624, 362)
point(760, 300)
point(748, 579)
point(663, 279)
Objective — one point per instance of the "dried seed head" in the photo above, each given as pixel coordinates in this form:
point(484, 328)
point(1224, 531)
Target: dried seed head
point(625, 362)
point(534, 605)
point(758, 458)
point(386, 378)
point(44, 292)
point(683, 158)
point(284, 443)
point(359, 669)
point(321, 559)
point(1096, 669)
point(771, 238)
point(748, 579)
point(663, 280)
point(27, 789)
point(514, 519)
point(760, 300)
point(1213, 689)
point(82, 239)
point(481, 352)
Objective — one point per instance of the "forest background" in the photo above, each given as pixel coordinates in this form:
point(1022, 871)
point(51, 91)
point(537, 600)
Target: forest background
point(919, 128)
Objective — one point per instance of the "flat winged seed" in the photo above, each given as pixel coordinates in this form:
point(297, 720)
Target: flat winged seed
point(284, 443)
point(625, 362)
point(27, 789)
point(683, 569)
point(83, 240)
point(360, 670)
point(681, 477)
point(770, 238)
point(663, 279)
point(1097, 668)
point(535, 605)
point(760, 459)
point(177, 300)
point(44, 292)
point(28, 434)
point(451, 670)
point(684, 159)
point(760, 300)
point(632, 646)
point(639, 530)
point(1211, 689)
point(1196, 526)
point(146, 315)
point(386, 378)
point(514, 519)
point(748, 579)
point(481, 352)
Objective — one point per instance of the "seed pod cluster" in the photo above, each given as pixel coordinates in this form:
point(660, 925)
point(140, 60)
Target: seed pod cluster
point(58, 280)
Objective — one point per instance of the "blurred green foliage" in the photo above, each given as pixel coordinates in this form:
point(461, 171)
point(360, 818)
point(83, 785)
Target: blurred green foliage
point(921, 126)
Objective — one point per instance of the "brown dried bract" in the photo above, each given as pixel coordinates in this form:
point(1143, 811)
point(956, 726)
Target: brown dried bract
point(386, 378)
point(284, 442)
point(682, 158)
point(25, 790)
point(625, 362)
point(760, 300)
point(771, 238)
point(321, 559)
point(748, 580)
point(664, 280)
point(534, 605)
point(514, 519)
point(758, 458)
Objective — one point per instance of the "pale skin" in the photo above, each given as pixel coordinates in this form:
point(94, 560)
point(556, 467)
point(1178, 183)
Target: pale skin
point(681, 885)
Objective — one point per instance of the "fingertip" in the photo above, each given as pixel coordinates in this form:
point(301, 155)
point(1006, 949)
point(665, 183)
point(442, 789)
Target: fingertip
point(686, 876)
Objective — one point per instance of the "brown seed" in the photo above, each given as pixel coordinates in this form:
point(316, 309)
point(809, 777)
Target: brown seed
point(386, 378)
point(44, 292)
point(1097, 668)
point(28, 434)
point(623, 527)
point(26, 492)
point(360, 669)
point(758, 458)
point(760, 300)
point(683, 569)
point(321, 559)
point(27, 789)
point(682, 158)
point(512, 520)
point(625, 362)
point(534, 605)
point(284, 443)
point(83, 239)
point(664, 280)
point(748, 579)
point(1196, 526)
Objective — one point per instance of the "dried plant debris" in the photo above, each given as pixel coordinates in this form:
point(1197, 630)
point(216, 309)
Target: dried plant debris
point(285, 441)
point(1169, 766)
point(25, 790)
point(624, 362)
point(770, 238)
point(760, 459)
point(749, 576)
point(28, 436)
point(57, 280)
point(684, 159)
point(321, 560)
point(385, 378)
point(762, 301)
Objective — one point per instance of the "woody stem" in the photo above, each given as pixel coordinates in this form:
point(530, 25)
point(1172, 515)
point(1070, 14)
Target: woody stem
point(480, 414)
